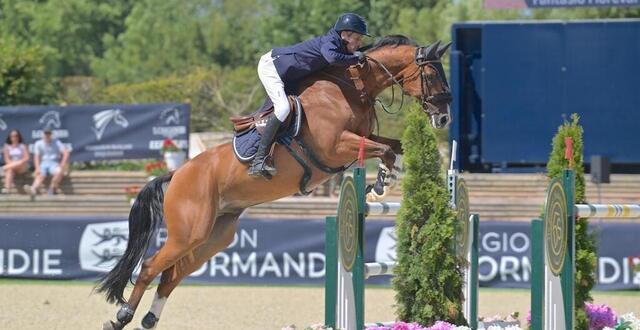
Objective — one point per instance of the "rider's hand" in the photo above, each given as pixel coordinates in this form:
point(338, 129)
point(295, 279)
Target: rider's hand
point(362, 58)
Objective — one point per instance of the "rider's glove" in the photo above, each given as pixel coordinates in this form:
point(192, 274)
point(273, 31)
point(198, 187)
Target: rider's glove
point(362, 58)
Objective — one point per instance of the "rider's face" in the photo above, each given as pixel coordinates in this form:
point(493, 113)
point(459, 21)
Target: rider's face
point(352, 39)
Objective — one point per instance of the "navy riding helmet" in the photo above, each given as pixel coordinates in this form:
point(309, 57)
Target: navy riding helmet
point(352, 22)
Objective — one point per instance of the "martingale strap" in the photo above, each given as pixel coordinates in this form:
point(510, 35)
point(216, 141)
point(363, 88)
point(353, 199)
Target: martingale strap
point(324, 168)
point(306, 176)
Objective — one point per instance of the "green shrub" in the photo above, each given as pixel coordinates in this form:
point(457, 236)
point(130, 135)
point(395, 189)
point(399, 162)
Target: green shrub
point(586, 249)
point(429, 273)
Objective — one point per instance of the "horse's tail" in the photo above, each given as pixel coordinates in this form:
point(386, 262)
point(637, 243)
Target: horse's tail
point(145, 216)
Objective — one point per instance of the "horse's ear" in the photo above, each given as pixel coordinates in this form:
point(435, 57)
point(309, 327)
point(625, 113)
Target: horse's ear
point(443, 49)
point(432, 50)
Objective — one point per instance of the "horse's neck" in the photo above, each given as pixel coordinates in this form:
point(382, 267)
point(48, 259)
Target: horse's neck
point(378, 79)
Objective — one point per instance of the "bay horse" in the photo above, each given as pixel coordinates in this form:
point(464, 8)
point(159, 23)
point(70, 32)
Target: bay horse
point(205, 197)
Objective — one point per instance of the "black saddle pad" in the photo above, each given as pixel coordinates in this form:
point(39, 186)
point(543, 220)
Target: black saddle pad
point(245, 144)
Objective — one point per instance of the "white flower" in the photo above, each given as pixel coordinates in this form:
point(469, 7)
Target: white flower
point(461, 328)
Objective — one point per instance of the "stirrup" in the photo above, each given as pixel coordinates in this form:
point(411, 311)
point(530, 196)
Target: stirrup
point(263, 170)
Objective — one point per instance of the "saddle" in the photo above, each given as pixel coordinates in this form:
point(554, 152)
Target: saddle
point(248, 129)
point(259, 118)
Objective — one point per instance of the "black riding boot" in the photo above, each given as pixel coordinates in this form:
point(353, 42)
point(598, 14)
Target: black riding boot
point(259, 166)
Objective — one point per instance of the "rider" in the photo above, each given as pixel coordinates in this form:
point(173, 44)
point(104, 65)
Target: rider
point(285, 66)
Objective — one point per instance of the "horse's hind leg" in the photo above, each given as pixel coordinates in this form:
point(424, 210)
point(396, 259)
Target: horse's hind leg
point(221, 236)
point(188, 227)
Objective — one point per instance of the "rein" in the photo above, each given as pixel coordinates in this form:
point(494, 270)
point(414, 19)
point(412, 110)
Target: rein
point(428, 100)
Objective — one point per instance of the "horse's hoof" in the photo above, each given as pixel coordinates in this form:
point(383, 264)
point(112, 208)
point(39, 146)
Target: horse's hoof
point(149, 321)
point(110, 325)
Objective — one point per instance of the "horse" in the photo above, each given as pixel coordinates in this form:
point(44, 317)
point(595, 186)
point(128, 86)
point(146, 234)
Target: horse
point(205, 197)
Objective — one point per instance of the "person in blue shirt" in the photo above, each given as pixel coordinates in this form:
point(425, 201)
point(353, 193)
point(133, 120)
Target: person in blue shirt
point(285, 66)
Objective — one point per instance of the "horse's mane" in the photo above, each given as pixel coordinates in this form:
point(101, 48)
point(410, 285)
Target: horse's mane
point(393, 40)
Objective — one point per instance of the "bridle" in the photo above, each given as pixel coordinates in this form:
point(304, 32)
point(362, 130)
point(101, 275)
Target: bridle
point(428, 101)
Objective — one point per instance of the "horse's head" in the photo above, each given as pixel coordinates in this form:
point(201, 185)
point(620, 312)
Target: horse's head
point(419, 72)
point(425, 79)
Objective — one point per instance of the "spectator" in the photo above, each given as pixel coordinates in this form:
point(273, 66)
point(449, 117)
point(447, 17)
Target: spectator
point(50, 159)
point(16, 159)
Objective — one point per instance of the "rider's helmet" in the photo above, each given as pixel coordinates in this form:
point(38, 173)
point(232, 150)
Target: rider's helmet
point(352, 22)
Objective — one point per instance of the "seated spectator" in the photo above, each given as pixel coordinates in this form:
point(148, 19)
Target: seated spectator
point(16, 159)
point(50, 159)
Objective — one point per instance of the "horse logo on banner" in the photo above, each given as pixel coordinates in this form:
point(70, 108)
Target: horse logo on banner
point(50, 120)
point(102, 119)
point(171, 115)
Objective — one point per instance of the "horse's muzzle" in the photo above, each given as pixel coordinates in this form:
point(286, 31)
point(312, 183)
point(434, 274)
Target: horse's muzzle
point(440, 120)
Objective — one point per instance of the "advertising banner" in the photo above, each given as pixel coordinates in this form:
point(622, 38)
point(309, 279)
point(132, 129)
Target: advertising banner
point(102, 132)
point(285, 251)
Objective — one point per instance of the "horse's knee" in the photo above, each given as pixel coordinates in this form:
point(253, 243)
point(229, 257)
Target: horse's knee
point(147, 274)
point(388, 156)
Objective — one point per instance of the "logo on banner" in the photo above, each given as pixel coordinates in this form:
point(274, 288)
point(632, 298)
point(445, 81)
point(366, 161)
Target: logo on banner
point(50, 120)
point(171, 115)
point(102, 245)
point(169, 128)
point(102, 119)
point(386, 248)
point(3, 125)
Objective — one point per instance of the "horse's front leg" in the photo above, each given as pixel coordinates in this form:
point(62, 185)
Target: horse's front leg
point(396, 145)
point(349, 147)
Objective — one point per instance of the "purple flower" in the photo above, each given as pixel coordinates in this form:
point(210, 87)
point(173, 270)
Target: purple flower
point(441, 325)
point(600, 316)
point(399, 326)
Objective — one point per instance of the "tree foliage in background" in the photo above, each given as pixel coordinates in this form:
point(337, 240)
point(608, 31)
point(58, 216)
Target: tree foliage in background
point(93, 44)
point(586, 250)
point(23, 79)
point(428, 281)
point(71, 31)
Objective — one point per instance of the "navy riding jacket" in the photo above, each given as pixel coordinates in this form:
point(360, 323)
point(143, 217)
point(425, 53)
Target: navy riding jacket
point(300, 60)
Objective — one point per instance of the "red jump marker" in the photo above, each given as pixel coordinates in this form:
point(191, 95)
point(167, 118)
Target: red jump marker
point(361, 153)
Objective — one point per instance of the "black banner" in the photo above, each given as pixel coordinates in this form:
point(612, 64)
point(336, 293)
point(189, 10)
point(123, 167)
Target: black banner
point(102, 132)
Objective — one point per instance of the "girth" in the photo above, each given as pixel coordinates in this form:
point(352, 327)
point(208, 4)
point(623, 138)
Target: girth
point(307, 172)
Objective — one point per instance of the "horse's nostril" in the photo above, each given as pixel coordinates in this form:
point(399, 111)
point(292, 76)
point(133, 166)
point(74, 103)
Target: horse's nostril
point(444, 120)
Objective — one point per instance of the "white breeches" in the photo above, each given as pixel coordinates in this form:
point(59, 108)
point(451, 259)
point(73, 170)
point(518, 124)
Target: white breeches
point(274, 86)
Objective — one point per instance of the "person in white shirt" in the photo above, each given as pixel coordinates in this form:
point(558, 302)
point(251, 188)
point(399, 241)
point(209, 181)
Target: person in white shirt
point(16, 159)
point(50, 158)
